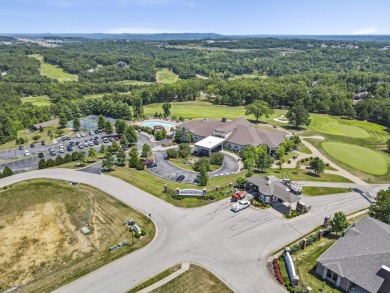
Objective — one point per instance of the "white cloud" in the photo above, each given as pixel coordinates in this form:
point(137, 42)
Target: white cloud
point(140, 30)
point(366, 31)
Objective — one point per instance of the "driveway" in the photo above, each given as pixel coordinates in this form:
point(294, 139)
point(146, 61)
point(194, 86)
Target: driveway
point(234, 246)
point(168, 171)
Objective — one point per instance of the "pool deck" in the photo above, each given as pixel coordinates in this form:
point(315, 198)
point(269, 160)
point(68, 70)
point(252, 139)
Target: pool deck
point(167, 121)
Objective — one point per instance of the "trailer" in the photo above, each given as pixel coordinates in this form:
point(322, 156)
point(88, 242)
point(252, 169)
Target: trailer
point(296, 188)
point(238, 195)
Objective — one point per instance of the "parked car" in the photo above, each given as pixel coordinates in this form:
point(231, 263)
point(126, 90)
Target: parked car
point(147, 162)
point(96, 142)
point(41, 155)
point(72, 143)
point(242, 204)
point(27, 153)
point(180, 178)
point(91, 143)
point(68, 138)
point(61, 151)
point(69, 148)
point(81, 146)
point(151, 165)
point(51, 150)
point(86, 144)
point(61, 146)
point(91, 132)
point(53, 153)
point(105, 140)
point(78, 135)
point(32, 145)
point(111, 139)
point(63, 138)
point(96, 138)
point(82, 134)
point(77, 142)
point(20, 147)
point(117, 138)
point(43, 142)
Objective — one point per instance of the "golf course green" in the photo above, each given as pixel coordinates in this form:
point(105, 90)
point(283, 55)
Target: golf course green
point(357, 157)
point(338, 126)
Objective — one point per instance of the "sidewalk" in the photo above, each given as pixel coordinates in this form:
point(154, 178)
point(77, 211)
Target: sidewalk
point(184, 267)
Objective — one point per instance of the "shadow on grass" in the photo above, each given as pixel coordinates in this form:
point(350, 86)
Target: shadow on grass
point(293, 128)
point(311, 174)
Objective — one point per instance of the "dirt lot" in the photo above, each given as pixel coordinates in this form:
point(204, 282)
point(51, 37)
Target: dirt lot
point(42, 246)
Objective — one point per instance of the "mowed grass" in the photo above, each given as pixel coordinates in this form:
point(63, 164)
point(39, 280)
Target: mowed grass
point(53, 71)
point(358, 157)
point(314, 191)
point(37, 100)
point(200, 109)
point(164, 75)
point(195, 280)
point(347, 127)
point(41, 220)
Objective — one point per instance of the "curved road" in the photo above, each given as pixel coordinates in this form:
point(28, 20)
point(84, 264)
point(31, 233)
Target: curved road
point(234, 246)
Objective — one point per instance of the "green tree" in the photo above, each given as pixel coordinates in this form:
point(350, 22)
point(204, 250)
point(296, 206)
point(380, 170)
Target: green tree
point(75, 156)
point(101, 122)
point(131, 135)
point(108, 162)
point(317, 165)
point(241, 182)
point(63, 121)
point(380, 210)
point(339, 222)
point(264, 161)
point(184, 150)
point(133, 157)
point(138, 108)
point(108, 128)
point(92, 154)
point(203, 175)
point(146, 150)
point(68, 158)
point(59, 160)
point(167, 109)
point(102, 149)
point(258, 108)
point(7, 172)
point(298, 166)
point(42, 164)
point(388, 145)
point(121, 158)
point(81, 158)
point(76, 123)
point(298, 115)
point(59, 132)
point(217, 159)
point(183, 136)
point(172, 154)
point(249, 164)
point(120, 126)
point(202, 163)
point(280, 152)
point(40, 129)
point(50, 163)
point(36, 137)
point(50, 134)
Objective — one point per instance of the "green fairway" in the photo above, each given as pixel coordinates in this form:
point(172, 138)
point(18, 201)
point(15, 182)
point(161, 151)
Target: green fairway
point(164, 75)
point(360, 158)
point(344, 127)
point(198, 109)
point(37, 100)
point(54, 72)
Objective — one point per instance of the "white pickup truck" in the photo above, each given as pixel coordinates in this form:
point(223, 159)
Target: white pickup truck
point(240, 205)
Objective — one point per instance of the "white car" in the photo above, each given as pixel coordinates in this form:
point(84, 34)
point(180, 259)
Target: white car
point(82, 134)
point(62, 150)
point(27, 153)
point(86, 144)
point(78, 135)
point(61, 146)
point(242, 204)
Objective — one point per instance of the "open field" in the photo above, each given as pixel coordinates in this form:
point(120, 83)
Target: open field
point(44, 136)
point(195, 280)
point(42, 246)
point(314, 191)
point(200, 109)
point(164, 75)
point(360, 158)
point(54, 72)
point(37, 100)
point(156, 278)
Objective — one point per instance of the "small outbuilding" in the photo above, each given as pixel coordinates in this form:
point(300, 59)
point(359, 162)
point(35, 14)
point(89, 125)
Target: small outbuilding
point(35, 127)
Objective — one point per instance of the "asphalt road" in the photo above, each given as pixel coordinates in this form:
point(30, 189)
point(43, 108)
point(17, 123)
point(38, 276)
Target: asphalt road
point(169, 171)
point(234, 246)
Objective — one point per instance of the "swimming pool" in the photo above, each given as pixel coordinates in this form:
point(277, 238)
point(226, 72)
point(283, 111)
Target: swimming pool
point(154, 123)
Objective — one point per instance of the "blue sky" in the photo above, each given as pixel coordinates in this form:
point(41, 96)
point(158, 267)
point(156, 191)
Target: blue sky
point(303, 17)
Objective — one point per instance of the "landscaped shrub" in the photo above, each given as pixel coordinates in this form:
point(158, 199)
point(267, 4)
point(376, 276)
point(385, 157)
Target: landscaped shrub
point(278, 274)
point(327, 164)
point(184, 150)
point(171, 154)
point(306, 159)
point(137, 235)
point(302, 160)
point(216, 159)
point(203, 162)
point(293, 214)
point(143, 233)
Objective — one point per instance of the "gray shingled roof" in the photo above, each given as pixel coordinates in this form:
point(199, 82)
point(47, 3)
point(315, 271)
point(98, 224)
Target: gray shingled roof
point(360, 254)
point(273, 187)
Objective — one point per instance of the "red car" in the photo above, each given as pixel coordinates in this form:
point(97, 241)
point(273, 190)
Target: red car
point(147, 162)
point(117, 138)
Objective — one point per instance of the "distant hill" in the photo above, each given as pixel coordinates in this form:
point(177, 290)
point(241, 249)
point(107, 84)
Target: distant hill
point(199, 36)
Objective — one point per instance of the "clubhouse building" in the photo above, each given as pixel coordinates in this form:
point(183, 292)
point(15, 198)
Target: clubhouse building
point(235, 135)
